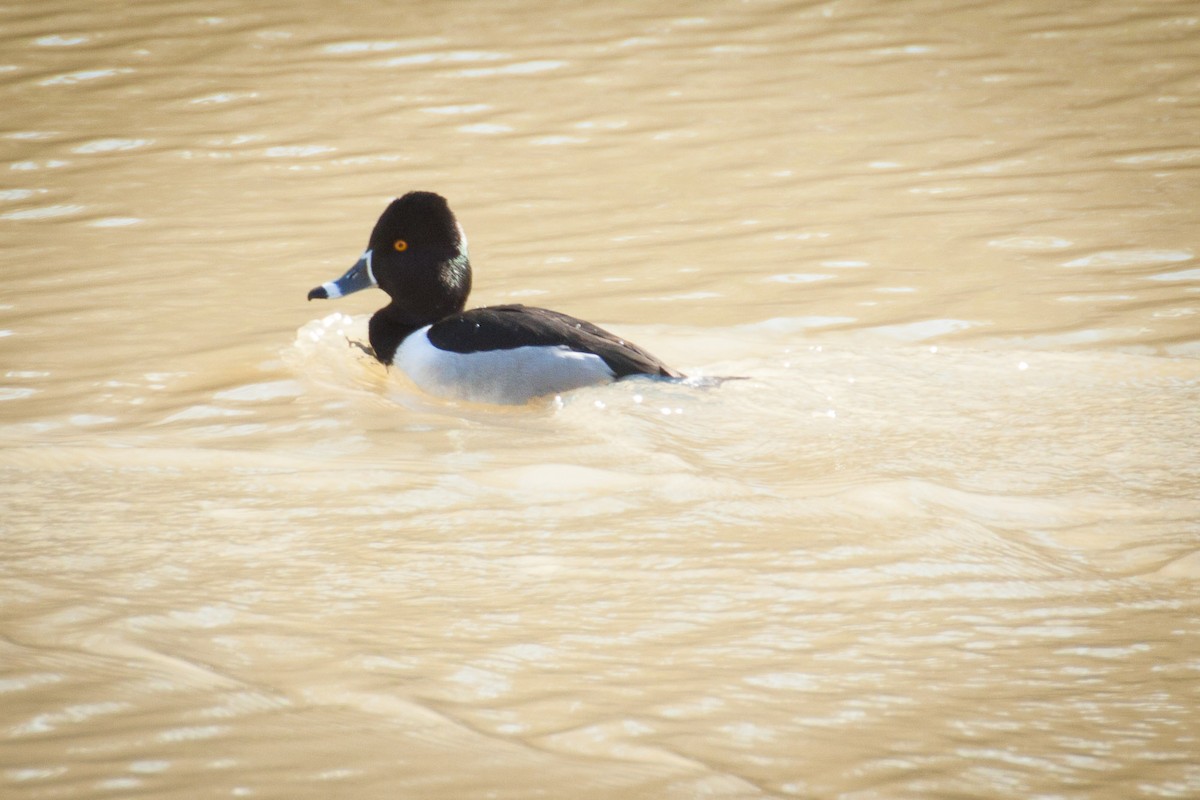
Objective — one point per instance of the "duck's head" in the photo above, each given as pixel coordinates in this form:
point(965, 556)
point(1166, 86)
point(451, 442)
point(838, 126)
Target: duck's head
point(417, 254)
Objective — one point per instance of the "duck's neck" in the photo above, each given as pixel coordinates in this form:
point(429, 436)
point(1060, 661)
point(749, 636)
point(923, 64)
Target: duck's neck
point(389, 327)
point(422, 300)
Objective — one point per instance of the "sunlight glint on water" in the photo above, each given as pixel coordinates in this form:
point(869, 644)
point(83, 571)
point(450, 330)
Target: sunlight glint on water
point(940, 542)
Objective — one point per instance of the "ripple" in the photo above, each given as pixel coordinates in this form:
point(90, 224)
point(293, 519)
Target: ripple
point(681, 296)
point(793, 324)
point(255, 392)
point(346, 48)
point(115, 222)
point(299, 151)
point(220, 98)
point(29, 166)
point(111, 145)
point(22, 774)
point(551, 141)
point(523, 68)
point(1095, 298)
point(470, 108)
point(58, 40)
point(49, 721)
point(24, 682)
point(1181, 156)
point(799, 277)
point(482, 683)
point(30, 136)
point(490, 128)
point(795, 681)
point(1130, 258)
point(87, 420)
point(1031, 243)
point(72, 78)
point(191, 733)
point(448, 57)
point(1184, 275)
point(908, 49)
point(45, 212)
point(202, 412)
point(925, 329)
point(116, 784)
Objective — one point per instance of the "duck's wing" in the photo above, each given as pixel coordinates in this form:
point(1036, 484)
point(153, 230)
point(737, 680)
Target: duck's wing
point(511, 326)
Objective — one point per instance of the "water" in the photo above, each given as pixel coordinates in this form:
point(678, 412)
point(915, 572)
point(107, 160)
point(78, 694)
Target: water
point(940, 543)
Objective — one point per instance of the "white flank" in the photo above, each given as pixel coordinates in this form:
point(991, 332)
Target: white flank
point(509, 377)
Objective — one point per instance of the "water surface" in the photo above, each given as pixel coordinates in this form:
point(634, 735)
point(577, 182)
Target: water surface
point(942, 542)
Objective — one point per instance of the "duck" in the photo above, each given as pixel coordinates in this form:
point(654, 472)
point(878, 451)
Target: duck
point(503, 354)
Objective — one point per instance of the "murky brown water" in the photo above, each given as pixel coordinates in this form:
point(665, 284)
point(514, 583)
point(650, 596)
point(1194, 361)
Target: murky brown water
point(943, 543)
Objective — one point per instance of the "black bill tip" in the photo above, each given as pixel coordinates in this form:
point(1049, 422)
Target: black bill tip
point(318, 293)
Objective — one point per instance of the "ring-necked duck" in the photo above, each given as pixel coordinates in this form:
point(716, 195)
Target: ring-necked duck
point(500, 354)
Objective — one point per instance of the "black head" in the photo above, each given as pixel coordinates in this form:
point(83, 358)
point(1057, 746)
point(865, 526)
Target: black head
point(418, 220)
point(417, 253)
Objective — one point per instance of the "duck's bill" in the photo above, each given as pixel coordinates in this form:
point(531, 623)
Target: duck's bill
point(356, 279)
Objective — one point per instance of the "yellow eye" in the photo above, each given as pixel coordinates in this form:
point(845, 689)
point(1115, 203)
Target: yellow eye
point(400, 245)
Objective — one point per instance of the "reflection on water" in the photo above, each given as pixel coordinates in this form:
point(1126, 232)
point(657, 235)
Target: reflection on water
point(941, 543)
